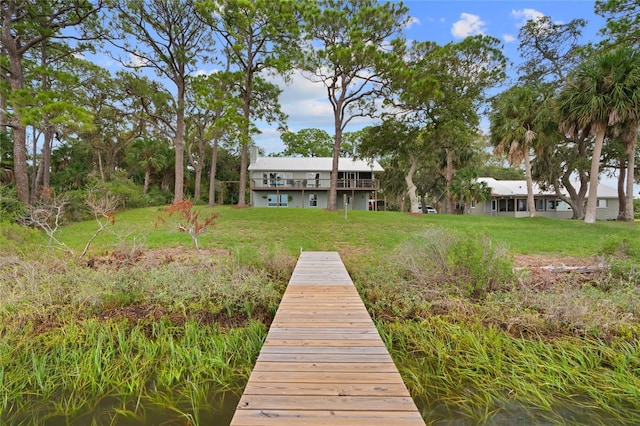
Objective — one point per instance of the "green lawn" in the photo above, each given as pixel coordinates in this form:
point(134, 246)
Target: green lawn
point(362, 232)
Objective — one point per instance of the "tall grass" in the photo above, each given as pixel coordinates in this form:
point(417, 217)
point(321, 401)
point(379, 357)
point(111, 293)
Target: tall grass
point(477, 373)
point(129, 334)
point(70, 370)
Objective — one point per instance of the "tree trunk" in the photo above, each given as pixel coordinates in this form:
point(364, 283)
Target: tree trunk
point(411, 187)
point(19, 131)
point(632, 146)
point(178, 142)
point(212, 177)
point(622, 199)
point(332, 203)
point(592, 200)
point(531, 204)
point(147, 180)
point(448, 178)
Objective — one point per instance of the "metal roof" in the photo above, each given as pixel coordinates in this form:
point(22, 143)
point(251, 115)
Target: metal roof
point(313, 164)
point(519, 188)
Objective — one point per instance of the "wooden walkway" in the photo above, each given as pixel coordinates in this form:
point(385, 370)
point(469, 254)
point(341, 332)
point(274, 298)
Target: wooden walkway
point(323, 361)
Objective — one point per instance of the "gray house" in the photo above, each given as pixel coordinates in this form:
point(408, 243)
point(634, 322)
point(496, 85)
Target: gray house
point(304, 182)
point(509, 199)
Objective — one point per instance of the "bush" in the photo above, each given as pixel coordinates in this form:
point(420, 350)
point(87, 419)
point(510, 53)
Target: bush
point(127, 193)
point(158, 197)
point(440, 258)
point(11, 209)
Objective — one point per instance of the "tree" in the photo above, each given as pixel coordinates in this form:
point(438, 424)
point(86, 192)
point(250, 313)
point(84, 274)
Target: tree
point(466, 188)
point(217, 98)
point(150, 154)
point(168, 37)
point(25, 25)
point(519, 119)
point(550, 49)
point(623, 21)
point(404, 143)
point(353, 47)
point(307, 143)
point(258, 36)
point(604, 91)
point(444, 89)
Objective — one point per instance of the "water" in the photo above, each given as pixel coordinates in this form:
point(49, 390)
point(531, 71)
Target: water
point(218, 410)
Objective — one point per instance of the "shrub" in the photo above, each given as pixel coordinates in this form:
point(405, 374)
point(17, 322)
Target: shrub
point(11, 209)
point(472, 268)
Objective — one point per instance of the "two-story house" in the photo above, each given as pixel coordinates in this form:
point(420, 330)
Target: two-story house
point(304, 182)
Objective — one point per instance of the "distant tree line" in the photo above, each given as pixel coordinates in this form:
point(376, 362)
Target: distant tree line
point(161, 125)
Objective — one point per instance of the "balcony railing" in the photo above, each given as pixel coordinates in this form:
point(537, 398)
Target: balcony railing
point(309, 184)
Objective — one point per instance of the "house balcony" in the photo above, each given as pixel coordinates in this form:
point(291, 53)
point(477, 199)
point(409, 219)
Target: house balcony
point(313, 184)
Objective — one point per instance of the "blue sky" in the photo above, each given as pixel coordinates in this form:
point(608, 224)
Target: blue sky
point(440, 21)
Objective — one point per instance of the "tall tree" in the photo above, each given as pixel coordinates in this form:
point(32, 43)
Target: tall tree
point(604, 91)
point(552, 51)
point(623, 21)
point(168, 37)
point(520, 118)
point(26, 24)
point(217, 98)
point(259, 36)
point(354, 45)
point(307, 143)
point(450, 111)
point(404, 143)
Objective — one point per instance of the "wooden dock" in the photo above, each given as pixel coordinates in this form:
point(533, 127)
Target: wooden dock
point(323, 361)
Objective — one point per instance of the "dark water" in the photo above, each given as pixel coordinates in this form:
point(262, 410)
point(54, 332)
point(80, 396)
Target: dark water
point(218, 410)
point(507, 413)
point(220, 407)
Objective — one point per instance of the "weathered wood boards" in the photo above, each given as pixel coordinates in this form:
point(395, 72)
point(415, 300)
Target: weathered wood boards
point(323, 361)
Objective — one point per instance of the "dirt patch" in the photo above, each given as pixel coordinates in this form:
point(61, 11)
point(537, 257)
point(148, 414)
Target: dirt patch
point(154, 258)
point(544, 271)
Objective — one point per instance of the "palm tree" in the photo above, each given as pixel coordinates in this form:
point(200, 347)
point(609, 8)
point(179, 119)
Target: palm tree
point(519, 120)
point(149, 154)
point(466, 188)
point(604, 91)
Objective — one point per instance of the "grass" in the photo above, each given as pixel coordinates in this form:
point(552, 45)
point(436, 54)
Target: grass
point(240, 230)
point(81, 334)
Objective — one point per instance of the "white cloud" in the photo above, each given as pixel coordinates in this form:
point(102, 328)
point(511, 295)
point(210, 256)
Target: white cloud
point(508, 38)
point(136, 61)
point(524, 15)
point(467, 25)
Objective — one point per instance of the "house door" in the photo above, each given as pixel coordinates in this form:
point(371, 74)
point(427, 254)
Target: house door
point(351, 179)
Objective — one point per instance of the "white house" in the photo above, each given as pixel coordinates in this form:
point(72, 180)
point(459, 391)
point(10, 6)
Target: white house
point(304, 182)
point(509, 199)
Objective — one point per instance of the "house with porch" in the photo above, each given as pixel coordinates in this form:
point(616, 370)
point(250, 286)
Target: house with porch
point(509, 199)
point(303, 182)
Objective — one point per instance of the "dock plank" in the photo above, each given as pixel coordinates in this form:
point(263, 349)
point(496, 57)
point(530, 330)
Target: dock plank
point(323, 361)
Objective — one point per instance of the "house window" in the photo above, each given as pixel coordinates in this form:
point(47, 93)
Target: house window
point(601, 203)
point(539, 205)
point(278, 200)
point(551, 205)
point(313, 200)
point(473, 204)
point(522, 205)
point(265, 179)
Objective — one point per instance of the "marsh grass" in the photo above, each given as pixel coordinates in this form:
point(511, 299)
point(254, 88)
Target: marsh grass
point(148, 327)
point(470, 371)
